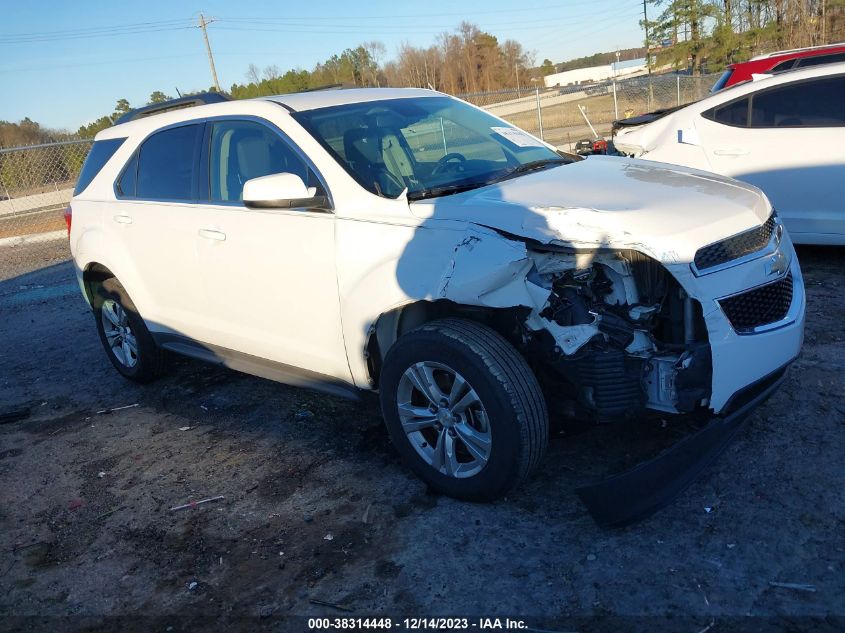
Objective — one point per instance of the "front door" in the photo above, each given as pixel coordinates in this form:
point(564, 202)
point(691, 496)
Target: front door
point(269, 275)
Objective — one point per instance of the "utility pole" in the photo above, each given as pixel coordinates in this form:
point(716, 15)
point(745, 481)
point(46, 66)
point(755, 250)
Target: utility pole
point(824, 23)
point(647, 42)
point(203, 24)
point(648, 56)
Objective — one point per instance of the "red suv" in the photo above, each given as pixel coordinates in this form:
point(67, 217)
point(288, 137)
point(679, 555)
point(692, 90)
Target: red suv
point(778, 62)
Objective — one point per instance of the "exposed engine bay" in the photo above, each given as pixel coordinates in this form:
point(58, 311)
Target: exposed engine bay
point(611, 333)
point(621, 332)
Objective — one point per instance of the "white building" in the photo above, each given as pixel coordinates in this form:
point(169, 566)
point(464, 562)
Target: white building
point(596, 73)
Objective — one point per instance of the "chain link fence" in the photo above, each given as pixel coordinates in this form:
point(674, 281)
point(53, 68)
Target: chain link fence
point(562, 115)
point(36, 183)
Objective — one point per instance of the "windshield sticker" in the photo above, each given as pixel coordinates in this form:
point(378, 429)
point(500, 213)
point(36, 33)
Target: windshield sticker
point(517, 137)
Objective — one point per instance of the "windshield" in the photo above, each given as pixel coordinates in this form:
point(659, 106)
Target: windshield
point(431, 145)
point(720, 83)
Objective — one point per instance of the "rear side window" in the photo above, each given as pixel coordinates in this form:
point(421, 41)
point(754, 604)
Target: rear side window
point(127, 184)
point(812, 103)
point(734, 113)
point(789, 63)
point(99, 155)
point(817, 60)
point(166, 164)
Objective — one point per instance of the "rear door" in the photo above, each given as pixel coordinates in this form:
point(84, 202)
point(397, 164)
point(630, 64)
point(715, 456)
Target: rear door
point(788, 141)
point(158, 190)
point(268, 275)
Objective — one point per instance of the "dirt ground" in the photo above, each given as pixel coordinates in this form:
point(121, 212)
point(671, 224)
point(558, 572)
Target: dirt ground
point(318, 517)
point(32, 223)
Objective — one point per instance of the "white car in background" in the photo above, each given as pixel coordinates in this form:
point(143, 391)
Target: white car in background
point(783, 133)
point(406, 242)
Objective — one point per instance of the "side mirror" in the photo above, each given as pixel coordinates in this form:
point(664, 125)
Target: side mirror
point(282, 191)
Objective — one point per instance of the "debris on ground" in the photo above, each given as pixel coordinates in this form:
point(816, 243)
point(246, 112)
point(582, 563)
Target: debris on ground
point(797, 586)
point(113, 409)
point(109, 513)
point(194, 504)
point(323, 603)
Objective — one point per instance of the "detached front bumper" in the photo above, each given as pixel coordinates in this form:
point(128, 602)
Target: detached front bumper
point(649, 486)
point(748, 364)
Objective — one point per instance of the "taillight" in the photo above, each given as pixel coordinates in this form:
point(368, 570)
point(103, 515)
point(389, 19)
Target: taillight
point(68, 218)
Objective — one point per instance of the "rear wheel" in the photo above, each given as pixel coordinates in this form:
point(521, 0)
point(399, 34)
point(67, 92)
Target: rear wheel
point(124, 335)
point(463, 409)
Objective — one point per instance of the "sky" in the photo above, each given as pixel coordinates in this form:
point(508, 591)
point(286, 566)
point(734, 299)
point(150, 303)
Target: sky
point(65, 63)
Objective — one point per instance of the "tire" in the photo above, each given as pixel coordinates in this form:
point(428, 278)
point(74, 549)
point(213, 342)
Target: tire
point(496, 442)
point(119, 325)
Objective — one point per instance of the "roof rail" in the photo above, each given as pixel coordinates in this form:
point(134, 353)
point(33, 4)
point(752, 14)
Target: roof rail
point(340, 86)
point(203, 98)
point(790, 51)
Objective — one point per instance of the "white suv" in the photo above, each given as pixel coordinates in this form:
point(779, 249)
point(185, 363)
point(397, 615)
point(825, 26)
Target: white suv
point(405, 242)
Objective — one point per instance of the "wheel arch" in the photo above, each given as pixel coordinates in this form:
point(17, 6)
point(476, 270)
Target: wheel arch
point(392, 324)
point(93, 275)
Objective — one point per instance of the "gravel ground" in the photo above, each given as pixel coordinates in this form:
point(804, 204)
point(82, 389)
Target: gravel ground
point(317, 508)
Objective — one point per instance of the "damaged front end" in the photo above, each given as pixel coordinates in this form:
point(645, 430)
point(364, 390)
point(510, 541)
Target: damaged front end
point(613, 336)
point(621, 332)
point(612, 331)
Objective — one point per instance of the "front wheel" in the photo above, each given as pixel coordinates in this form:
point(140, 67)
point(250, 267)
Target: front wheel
point(463, 409)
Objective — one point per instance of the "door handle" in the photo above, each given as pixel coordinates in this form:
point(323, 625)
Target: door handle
point(730, 151)
point(211, 234)
point(123, 219)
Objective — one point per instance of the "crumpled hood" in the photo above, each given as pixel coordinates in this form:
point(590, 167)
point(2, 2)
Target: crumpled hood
point(663, 210)
point(641, 139)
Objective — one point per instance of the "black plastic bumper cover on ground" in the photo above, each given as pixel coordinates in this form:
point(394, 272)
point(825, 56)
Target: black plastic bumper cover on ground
point(641, 491)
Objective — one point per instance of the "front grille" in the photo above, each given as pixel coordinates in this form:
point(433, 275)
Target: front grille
point(760, 306)
point(735, 247)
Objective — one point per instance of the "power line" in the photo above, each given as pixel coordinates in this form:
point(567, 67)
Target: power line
point(100, 28)
point(102, 62)
point(393, 16)
point(70, 35)
point(401, 29)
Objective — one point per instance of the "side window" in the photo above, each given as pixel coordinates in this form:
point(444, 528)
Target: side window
point(242, 150)
point(97, 158)
point(127, 185)
point(166, 164)
point(789, 63)
point(734, 113)
point(813, 103)
point(817, 60)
